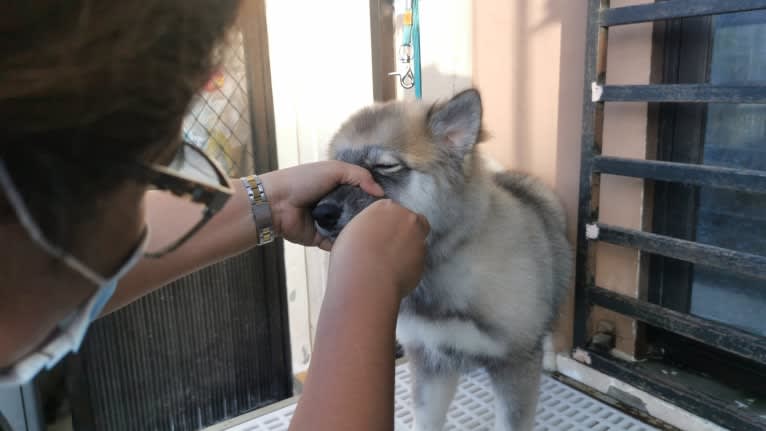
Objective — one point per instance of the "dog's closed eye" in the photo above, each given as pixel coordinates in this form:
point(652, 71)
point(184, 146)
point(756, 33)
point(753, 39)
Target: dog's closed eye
point(387, 168)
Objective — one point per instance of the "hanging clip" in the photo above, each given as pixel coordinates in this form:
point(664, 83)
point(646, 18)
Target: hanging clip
point(405, 54)
point(406, 79)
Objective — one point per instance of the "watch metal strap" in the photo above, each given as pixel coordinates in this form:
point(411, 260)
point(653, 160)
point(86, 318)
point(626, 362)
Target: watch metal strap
point(260, 208)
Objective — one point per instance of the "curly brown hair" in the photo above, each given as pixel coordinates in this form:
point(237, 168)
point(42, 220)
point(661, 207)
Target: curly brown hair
point(88, 84)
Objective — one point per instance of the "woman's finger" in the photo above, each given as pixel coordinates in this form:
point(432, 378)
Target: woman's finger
point(326, 244)
point(322, 242)
point(358, 176)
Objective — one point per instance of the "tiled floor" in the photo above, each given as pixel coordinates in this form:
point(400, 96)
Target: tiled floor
point(560, 408)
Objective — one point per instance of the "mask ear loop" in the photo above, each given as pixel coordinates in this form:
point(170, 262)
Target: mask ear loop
point(77, 324)
point(71, 330)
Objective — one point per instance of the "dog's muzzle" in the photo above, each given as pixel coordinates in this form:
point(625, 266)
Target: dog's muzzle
point(335, 210)
point(326, 215)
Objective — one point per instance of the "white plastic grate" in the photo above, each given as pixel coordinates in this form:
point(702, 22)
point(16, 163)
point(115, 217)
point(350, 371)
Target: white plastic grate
point(560, 408)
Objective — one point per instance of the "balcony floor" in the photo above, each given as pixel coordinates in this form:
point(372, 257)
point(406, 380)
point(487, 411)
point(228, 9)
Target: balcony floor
point(560, 408)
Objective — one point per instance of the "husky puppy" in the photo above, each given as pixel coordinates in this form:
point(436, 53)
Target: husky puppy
point(498, 260)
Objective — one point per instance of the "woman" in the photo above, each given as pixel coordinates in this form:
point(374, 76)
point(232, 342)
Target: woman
point(92, 96)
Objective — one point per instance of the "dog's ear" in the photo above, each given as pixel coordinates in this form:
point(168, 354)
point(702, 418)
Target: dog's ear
point(457, 122)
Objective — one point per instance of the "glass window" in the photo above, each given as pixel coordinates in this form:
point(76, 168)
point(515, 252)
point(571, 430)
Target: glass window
point(735, 136)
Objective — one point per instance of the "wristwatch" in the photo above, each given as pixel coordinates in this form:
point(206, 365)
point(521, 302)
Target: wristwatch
point(261, 209)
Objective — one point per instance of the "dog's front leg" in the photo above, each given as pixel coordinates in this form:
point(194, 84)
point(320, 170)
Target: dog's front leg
point(432, 392)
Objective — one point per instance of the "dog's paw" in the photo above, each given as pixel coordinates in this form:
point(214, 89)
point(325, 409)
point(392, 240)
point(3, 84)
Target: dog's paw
point(549, 354)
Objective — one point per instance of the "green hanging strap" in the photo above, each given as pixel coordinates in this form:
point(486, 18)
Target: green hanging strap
point(409, 50)
point(416, 49)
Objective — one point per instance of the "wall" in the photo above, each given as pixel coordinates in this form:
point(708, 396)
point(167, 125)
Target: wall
point(629, 57)
point(321, 72)
point(528, 61)
point(446, 44)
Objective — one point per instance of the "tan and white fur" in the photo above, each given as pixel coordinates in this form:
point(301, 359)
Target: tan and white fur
point(498, 260)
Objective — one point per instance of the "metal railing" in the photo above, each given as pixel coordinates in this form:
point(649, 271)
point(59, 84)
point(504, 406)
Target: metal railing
point(590, 231)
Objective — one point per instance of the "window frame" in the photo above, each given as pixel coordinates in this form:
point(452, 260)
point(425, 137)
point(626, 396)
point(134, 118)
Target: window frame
point(590, 232)
point(687, 47)
point(686, 44)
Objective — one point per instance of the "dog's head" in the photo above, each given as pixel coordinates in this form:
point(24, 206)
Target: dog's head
point(422, 156)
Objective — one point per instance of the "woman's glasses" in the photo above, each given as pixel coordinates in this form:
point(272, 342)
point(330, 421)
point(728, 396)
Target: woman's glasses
point(198, 184)
point(201, 189)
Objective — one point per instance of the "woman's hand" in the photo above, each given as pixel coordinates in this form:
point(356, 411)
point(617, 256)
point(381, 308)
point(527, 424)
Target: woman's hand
point(386, 243)
point(292, 192)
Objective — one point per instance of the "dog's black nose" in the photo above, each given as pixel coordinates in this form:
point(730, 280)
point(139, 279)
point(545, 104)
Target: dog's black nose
point(326, 215)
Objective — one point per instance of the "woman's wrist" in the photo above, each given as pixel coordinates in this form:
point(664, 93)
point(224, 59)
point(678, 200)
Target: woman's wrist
point(260, 208)
point(270, 182)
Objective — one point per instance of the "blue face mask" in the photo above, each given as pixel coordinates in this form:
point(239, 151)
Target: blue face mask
point(70, 332)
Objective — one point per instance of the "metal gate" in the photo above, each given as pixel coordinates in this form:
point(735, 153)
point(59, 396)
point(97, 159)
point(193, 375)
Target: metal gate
point(591, 232)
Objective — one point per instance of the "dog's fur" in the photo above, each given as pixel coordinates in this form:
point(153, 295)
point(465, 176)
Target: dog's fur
point(498, 259)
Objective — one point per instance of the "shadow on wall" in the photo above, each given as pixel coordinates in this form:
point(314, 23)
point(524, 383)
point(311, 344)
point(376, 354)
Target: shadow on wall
point(520, 84)
point(532, 103)
point(572, 17)
point(535, 105)
point(527, 117)
point(438, 85)
point(501, 68)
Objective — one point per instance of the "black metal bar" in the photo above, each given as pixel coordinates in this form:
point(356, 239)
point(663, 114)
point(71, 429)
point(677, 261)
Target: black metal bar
point(701, 175)
point(675, 9)
point(711, 333)
point(689, 251)
point(677, 394)
point(592, 128)
point(684, 93)
point(265, 158)
point(687, 44)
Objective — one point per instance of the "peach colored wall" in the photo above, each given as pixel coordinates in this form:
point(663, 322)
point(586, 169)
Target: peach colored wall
point(528, 61)
point(621, 201)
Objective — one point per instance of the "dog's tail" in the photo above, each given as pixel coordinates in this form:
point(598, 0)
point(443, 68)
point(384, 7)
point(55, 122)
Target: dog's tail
point(532, 192)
